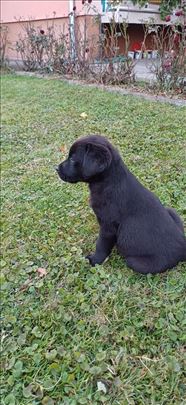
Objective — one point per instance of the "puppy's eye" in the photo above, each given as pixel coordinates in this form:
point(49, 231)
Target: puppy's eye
point(74, 162)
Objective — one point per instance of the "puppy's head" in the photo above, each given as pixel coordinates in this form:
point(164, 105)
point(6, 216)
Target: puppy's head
point(88, 157)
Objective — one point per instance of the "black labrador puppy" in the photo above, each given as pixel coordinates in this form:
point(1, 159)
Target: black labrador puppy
point(149, 236)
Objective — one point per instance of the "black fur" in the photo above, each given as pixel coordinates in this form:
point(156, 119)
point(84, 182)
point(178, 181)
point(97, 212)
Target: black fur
point(149, 236)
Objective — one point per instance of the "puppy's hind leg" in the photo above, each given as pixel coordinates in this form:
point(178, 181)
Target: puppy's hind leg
point(172, 212)
point(145, 264)
point(104, 245)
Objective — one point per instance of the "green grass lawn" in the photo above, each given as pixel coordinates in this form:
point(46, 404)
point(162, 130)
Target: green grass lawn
point(81, 335)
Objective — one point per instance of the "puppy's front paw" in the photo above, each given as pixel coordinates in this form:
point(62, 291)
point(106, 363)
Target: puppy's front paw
point(91, 259)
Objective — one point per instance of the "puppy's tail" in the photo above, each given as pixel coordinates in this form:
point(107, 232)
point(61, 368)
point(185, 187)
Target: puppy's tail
point(172, 212)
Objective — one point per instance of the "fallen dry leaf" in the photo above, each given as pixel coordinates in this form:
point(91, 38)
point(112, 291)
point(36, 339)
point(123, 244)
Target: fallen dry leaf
point(42, 272)
point(83, 115)
point(63, 149)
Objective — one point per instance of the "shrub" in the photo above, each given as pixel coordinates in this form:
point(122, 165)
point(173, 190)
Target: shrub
point(170, 44)
point(3, 45)
point(84, 56)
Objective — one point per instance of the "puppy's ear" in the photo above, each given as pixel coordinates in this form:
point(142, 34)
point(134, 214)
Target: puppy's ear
point(97, 158)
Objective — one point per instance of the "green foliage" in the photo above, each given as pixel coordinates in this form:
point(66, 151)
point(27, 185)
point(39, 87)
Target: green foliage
point(73, 334)
point(166, 7)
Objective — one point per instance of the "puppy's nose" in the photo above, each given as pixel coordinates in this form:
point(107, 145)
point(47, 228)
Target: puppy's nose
point(57, 169)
